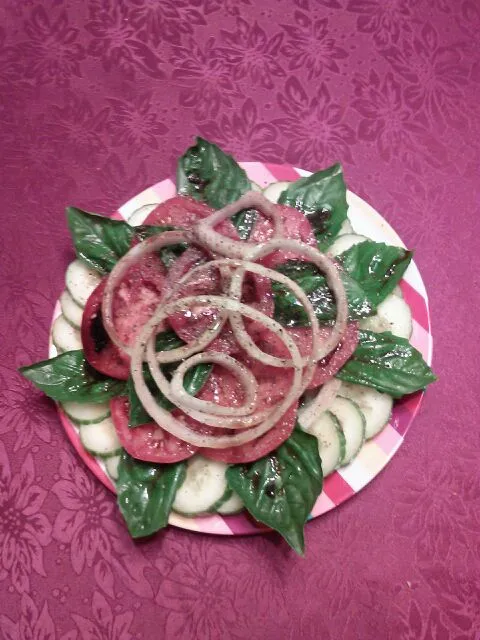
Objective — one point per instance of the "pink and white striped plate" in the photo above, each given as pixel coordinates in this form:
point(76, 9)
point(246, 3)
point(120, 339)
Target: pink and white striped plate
point(376, 453)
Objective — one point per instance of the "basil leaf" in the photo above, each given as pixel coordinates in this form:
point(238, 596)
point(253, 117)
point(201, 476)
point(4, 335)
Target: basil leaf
point(137, 414)
point(322, 197)
point(168, 340)
point(289, 310)
point(244, 221)
point(376, 266)
point(145, 493)
point(387, 363)
point(69, 377)
point(208, 174)
point(99, 241)
point(281, 488)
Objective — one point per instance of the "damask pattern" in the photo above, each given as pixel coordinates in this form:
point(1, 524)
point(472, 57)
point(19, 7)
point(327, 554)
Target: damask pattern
point(97, 100)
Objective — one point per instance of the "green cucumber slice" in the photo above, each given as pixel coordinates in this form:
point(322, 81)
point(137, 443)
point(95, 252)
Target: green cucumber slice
point(352, 423)
point(344, 242)
point(81, 281)
point(86, 413)
point(204, 485)
point(100, 438)
point(375, 406)
point(394, 315)
point(64, 336)
point(331, 441)
point(70, 309)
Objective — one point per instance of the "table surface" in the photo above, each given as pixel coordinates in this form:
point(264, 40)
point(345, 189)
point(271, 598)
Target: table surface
point(97, 100)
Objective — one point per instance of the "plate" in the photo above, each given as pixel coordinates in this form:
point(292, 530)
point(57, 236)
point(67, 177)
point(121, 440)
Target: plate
point(376, 453)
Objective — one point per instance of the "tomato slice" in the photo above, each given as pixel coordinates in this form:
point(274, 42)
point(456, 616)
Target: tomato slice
point(224, 389)
point(99, 350)
point(135, 300)
point(147, 442)
point(259, 447)
point(184, 212)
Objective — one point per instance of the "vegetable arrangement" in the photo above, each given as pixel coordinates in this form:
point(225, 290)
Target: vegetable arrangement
point(230, 352)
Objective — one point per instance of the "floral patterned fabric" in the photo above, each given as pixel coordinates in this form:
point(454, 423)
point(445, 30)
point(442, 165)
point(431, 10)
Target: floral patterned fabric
point(97, 100)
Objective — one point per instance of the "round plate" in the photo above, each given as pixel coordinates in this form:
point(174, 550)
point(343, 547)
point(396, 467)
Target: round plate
point(376, 453)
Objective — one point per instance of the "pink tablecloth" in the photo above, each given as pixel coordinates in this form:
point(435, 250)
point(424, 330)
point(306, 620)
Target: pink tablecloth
point(97, 100)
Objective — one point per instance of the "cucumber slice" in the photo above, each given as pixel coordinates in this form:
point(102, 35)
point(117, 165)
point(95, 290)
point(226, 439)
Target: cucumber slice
point(274, 190)
point(331, 441)
point(70, 309)
point(141, 214)
point(234, 504)
point(352, 423)
point(81, 281)
point(204, 485)
point(100, 438)
point(344, 242)
point(255, 187)
point(111, 465)
point(64, 336)
point(346, 228)
point(393, 314)
point(86, 413)
point(375, 406)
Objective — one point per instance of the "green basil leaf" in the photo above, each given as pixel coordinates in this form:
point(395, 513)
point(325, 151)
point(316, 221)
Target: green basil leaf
point(168, 340)
point(281, 488)
point(169, 254)
point(145, 493)
point(137, 414)
point(244, 221)
point(376, 266)
point(387, 363)
point(69, 378)
point(208, 174)
point(99, 241)
point(322, 197)
point(288, 309)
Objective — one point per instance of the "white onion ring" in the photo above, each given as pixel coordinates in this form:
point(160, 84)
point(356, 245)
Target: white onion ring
point(253, 424)
point(175, 426)
point(334, 282)
point(241, 334)
point(136, 253)
point(241, 372)
point(206, 235)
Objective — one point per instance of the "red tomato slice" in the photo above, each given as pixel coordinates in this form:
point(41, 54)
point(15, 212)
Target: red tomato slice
point(99, 350)
point(184, 212)
point(147, 442)
point(259, 447)
point(135, 300)
point(295, 226)
point(328, 366)
point(224, 389)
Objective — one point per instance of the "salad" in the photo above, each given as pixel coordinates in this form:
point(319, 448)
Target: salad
point(229, 348)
